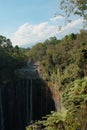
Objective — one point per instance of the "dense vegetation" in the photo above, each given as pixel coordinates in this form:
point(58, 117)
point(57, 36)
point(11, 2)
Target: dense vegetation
point(64, 62)
point(64, 59)
point(76, 7)
point(61, 62)
point(11, 58)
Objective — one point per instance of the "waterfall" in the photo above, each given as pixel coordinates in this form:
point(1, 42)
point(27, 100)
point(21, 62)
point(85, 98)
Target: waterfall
point(24, 100)
point(1, 112)
point(27, 101)
point(31, 101)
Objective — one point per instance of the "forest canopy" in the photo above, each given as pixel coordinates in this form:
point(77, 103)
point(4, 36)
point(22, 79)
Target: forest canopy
point(11, 58)
point(64, 63)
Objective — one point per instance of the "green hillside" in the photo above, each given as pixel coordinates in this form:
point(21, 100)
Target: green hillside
point(64, 63)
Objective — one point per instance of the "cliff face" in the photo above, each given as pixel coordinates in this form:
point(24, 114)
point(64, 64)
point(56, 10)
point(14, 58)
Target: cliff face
point(23, 101)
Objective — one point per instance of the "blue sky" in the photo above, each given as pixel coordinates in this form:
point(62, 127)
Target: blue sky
point(27, 22)
point(14, 13)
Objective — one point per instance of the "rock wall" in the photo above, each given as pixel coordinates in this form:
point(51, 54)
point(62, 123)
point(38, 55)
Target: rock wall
point(18, 107)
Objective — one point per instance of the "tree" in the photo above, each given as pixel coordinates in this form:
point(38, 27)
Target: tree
point(77, 7)
point(75, 100)
point(2, 40)
point(11, 58)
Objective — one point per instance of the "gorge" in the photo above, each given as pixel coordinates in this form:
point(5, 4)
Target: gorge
point(52, 85)
point(25, 100)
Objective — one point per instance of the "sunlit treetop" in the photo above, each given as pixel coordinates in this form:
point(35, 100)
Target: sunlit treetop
point(76, 7)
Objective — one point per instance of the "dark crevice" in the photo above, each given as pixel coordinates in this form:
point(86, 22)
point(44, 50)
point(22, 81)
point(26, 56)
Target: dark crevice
point(15, 103)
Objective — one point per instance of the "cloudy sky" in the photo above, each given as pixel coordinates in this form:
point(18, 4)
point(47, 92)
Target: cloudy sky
point(27, 22)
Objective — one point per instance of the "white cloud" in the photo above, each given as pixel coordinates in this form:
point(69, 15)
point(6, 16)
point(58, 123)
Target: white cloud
point(29, 34)
point(57, 18)
point(72, 27)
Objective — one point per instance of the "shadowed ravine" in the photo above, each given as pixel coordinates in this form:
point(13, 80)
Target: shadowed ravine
point(27, 98)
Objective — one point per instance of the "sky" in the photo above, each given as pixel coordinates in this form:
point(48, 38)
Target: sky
point(27, 22)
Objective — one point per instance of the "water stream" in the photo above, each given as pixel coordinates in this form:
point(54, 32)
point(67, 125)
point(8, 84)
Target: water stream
point(1, 112)
point(27, 100)
point(31, 101)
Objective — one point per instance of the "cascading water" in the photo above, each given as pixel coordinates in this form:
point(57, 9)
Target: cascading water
point(31, 103)
point(27, 101)
point(24, 100)
point(1, 112)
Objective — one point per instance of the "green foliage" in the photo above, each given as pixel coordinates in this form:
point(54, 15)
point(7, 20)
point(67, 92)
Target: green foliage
point(11, 58)
point(77, 7)
point(51, 121)
point(74, 99)
point(66, 54)
point(38, 51)
point(65, 63)
point(76, 93)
